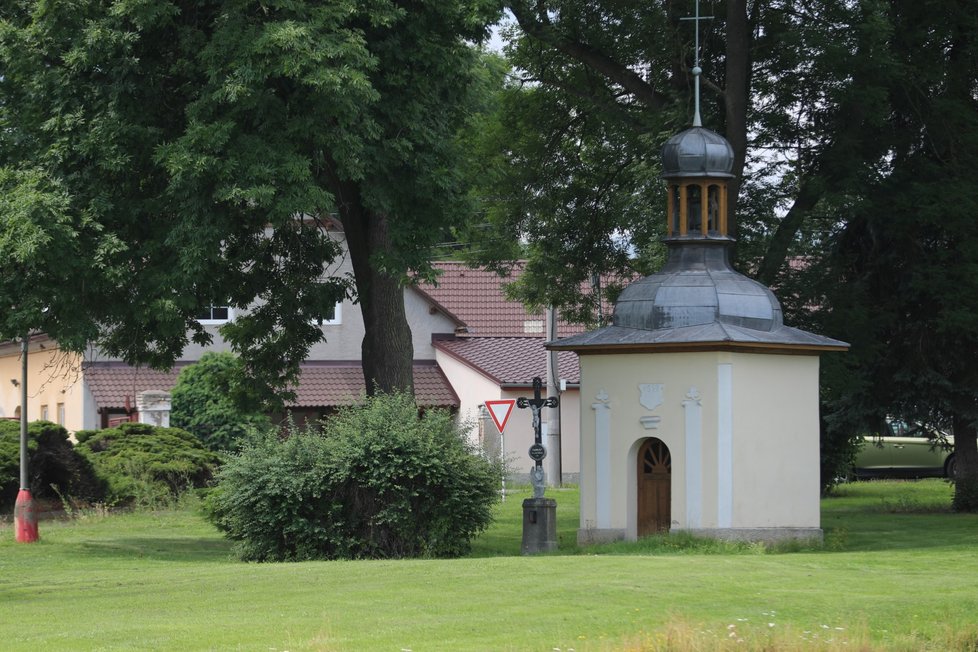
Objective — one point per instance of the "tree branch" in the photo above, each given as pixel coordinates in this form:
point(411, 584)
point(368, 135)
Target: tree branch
point(543, 31)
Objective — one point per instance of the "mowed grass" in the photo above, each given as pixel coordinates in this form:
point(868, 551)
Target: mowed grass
point(897, 571)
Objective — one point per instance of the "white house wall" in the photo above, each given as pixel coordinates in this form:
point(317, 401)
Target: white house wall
point(474, 389)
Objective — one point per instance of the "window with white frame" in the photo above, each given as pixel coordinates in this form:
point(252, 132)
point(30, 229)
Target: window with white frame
point(332, 318)
point(215, 314)
point(61, 414)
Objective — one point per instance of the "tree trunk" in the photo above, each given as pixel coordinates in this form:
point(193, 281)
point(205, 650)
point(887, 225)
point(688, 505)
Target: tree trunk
point(387, 350)
point(736, 96)
point(966, 455)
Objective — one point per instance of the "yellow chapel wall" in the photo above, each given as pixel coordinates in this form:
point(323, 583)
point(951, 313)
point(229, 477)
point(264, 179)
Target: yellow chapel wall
point(776, 417)
point(619, 376)
point(772, 421)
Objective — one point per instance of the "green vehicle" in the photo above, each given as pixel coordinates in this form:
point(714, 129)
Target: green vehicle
point(906, 452)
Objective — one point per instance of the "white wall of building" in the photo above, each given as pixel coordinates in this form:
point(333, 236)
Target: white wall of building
point(750, 419)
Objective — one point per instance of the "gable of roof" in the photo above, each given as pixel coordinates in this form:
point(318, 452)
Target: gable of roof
point(475, 296)
point(510, 361)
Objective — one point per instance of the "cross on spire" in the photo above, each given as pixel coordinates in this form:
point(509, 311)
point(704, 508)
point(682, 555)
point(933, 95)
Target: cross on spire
point(697, 71)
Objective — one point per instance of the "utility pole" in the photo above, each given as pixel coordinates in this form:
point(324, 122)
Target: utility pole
point(25, 516)
point(554, 470)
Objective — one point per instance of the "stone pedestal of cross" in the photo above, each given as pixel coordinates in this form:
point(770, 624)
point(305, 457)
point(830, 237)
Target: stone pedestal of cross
point(539, 513)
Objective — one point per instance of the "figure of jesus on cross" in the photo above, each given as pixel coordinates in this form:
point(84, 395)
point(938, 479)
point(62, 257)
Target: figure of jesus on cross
point(537, 451)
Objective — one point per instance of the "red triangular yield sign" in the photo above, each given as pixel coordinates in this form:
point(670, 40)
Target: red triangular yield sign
point(500, 411)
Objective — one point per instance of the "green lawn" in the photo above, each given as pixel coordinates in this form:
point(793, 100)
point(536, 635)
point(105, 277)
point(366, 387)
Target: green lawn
point(897, 571)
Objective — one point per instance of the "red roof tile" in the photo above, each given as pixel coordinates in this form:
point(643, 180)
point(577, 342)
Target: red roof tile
point(510, 360)
point(476, 297)
point(333, 385)
point(319, 385)
point(111, 383)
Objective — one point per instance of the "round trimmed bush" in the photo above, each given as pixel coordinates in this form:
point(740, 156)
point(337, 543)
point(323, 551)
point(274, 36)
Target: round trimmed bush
point(377, 481)
point(204, 402)
point(54, 466)
point(144, 465)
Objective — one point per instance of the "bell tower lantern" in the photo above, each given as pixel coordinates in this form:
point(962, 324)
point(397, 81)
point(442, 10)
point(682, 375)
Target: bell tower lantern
point(696, 165)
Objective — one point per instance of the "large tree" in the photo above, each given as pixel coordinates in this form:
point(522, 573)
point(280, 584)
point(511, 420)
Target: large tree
point(206, 144)
point(845, 118)
point(900, 272)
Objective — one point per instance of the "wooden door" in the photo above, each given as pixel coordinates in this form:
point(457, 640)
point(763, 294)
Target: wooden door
point(654, 487)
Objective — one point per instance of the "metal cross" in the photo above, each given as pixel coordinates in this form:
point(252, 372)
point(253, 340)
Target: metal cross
point(536, 404)
point(537, 450)
point(697, 71)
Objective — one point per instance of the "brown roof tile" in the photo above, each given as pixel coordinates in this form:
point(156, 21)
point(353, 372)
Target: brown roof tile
point(111, 383)
point(322, 385)
point(510, 360)
point(476, 298)
point(329, 385)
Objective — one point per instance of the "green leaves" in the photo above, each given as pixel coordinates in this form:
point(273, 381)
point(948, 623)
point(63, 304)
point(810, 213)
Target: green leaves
point(378, 481)
point(145, 465)
point(175, 136)
point(213, 401)
point(34, 209)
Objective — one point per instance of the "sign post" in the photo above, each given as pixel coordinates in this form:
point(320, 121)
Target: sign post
point(25, 516)
point(500, 411)
point(539, 513)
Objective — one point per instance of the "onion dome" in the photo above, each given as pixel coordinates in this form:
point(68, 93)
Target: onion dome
point(697, 287)
point(697, 152)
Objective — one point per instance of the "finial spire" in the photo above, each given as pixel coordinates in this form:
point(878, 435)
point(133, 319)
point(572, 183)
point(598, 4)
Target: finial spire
point(697, 71)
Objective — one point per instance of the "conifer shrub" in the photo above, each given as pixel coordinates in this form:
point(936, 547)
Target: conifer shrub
point(207, 401)
point(375, 481)
point(55, 469)
point(146, 466)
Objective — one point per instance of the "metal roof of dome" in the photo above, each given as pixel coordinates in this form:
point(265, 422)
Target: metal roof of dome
point(697, 152)
point(697, 286)
point(697, 301)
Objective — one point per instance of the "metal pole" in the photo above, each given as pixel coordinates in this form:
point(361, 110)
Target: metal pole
point(502, 457)
point(554, 478)
point(25, 517)
point(23, 414)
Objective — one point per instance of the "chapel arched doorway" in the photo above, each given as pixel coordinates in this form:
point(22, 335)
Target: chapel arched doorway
point(654, 487)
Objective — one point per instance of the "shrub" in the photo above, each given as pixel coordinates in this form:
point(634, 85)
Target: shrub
point(838, 447)
point(204, 402)
point(144, 465)
point(377, 482)
point(53, 465)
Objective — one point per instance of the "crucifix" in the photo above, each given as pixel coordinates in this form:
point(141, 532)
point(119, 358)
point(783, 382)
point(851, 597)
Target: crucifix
point(537, 451)
point(697, 71)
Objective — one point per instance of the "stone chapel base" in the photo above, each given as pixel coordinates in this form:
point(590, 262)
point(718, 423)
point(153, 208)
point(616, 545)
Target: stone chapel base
point(591, 536)
point(758, 534)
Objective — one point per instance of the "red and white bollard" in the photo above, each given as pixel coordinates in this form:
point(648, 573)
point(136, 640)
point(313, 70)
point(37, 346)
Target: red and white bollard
point(25, 518)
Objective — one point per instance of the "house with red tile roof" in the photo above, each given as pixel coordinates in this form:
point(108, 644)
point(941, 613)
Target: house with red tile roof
point(471, 345)
point(495, 354)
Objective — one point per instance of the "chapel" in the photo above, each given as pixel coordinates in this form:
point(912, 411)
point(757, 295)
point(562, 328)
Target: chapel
point(704, 405)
